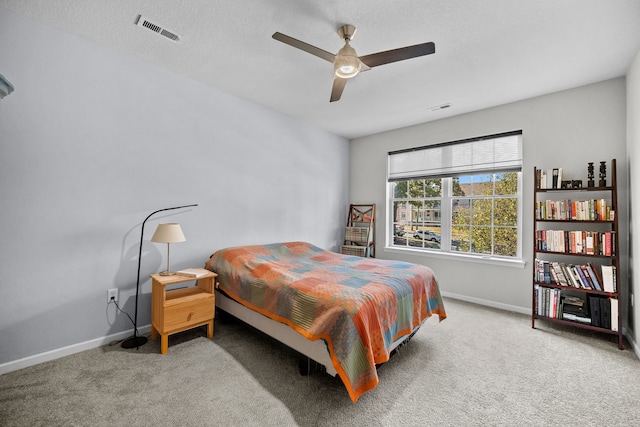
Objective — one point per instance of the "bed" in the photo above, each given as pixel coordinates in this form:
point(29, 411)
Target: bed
point(345, 312)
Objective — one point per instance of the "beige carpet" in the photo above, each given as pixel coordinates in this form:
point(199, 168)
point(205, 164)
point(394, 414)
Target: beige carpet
point(478, 367)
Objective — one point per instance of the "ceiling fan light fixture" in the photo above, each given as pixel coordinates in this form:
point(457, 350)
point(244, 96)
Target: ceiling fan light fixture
point(346, 64)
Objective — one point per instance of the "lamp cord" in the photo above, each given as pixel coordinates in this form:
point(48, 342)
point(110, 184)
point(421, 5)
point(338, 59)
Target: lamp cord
point(122, 311)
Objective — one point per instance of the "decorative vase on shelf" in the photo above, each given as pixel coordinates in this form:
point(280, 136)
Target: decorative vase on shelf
point(590, 182)
point(603, 174)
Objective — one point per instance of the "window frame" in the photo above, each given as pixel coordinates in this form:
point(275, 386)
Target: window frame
point(446, 220)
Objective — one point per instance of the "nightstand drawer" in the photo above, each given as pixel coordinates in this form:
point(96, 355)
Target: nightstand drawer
point(190, 312)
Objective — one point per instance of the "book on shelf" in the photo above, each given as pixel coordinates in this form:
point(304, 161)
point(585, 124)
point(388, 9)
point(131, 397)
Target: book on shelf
point(593, 277)
point(605, 313)
point(588, 243)
point(584, 280)
point(559, 273)
point(609, 240)
point(574, 318)
point(563, 274)
point(193, 272)
point(576, 278)
point(549, 178)
point(608, 278)
point(595, 309)
point(572, 276)
point(614, 314)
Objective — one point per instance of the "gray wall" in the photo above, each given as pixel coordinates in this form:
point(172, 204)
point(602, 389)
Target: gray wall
point(633, 148)
point(93, 141)
point(565, 129)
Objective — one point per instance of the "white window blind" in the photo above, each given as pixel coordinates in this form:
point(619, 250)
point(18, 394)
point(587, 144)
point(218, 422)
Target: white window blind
point(494, 153)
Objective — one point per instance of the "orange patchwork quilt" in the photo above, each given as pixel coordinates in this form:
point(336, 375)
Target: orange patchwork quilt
point(358, 306)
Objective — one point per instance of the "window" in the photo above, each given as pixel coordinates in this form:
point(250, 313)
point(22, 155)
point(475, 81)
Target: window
point(458, 197)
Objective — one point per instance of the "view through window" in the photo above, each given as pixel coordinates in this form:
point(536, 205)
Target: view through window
point(457, 209)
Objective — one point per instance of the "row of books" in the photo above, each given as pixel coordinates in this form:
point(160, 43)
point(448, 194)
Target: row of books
point(584, 276)
point(604, 312)
point(575, 210)
point(577, 242)
point(548, 178)
point(556, 304)
point(550, 302)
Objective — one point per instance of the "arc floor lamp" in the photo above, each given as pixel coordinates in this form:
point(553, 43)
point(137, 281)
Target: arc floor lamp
point(136, 340)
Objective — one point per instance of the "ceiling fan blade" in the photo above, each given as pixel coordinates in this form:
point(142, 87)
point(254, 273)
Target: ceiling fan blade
point(400, 54)
point(338, 87)
point(327, 56)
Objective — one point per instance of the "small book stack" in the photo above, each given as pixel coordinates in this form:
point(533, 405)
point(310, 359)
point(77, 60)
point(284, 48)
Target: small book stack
point(193, 272)
point(574, 309)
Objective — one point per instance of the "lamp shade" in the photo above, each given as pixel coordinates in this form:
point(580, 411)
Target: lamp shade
point(168, 233)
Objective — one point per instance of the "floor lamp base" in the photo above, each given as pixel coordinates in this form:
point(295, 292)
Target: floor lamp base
point(134, 341)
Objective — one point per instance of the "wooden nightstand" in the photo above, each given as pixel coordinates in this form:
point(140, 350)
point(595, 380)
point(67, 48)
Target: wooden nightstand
point(176, 310)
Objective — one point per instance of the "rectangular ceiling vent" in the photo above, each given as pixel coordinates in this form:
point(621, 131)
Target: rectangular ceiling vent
point(440, 107)
point(144, 22)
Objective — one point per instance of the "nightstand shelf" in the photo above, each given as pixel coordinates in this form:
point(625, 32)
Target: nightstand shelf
point(177, 310)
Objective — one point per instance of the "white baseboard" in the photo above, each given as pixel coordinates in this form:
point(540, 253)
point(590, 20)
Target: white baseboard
point(98, 342)
point(66, 351)
point(488, 303)
point(633, 344)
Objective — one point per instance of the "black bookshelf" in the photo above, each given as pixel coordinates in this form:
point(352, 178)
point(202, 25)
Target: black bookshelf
point(570, 285)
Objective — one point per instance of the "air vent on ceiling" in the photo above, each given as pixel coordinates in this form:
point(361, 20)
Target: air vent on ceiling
point(144, 22)
point(440, 107)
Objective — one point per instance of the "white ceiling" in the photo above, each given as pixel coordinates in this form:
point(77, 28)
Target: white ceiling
point(488, 52)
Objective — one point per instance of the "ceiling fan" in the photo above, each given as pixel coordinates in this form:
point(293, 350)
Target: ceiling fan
point(347, 63)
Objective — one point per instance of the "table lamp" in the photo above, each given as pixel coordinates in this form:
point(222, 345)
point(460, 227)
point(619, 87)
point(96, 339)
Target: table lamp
point(168, 233)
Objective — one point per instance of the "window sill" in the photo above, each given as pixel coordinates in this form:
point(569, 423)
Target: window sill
point(504, 262)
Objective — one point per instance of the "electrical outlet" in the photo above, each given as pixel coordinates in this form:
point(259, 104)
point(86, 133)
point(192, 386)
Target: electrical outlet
point(112, 295)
